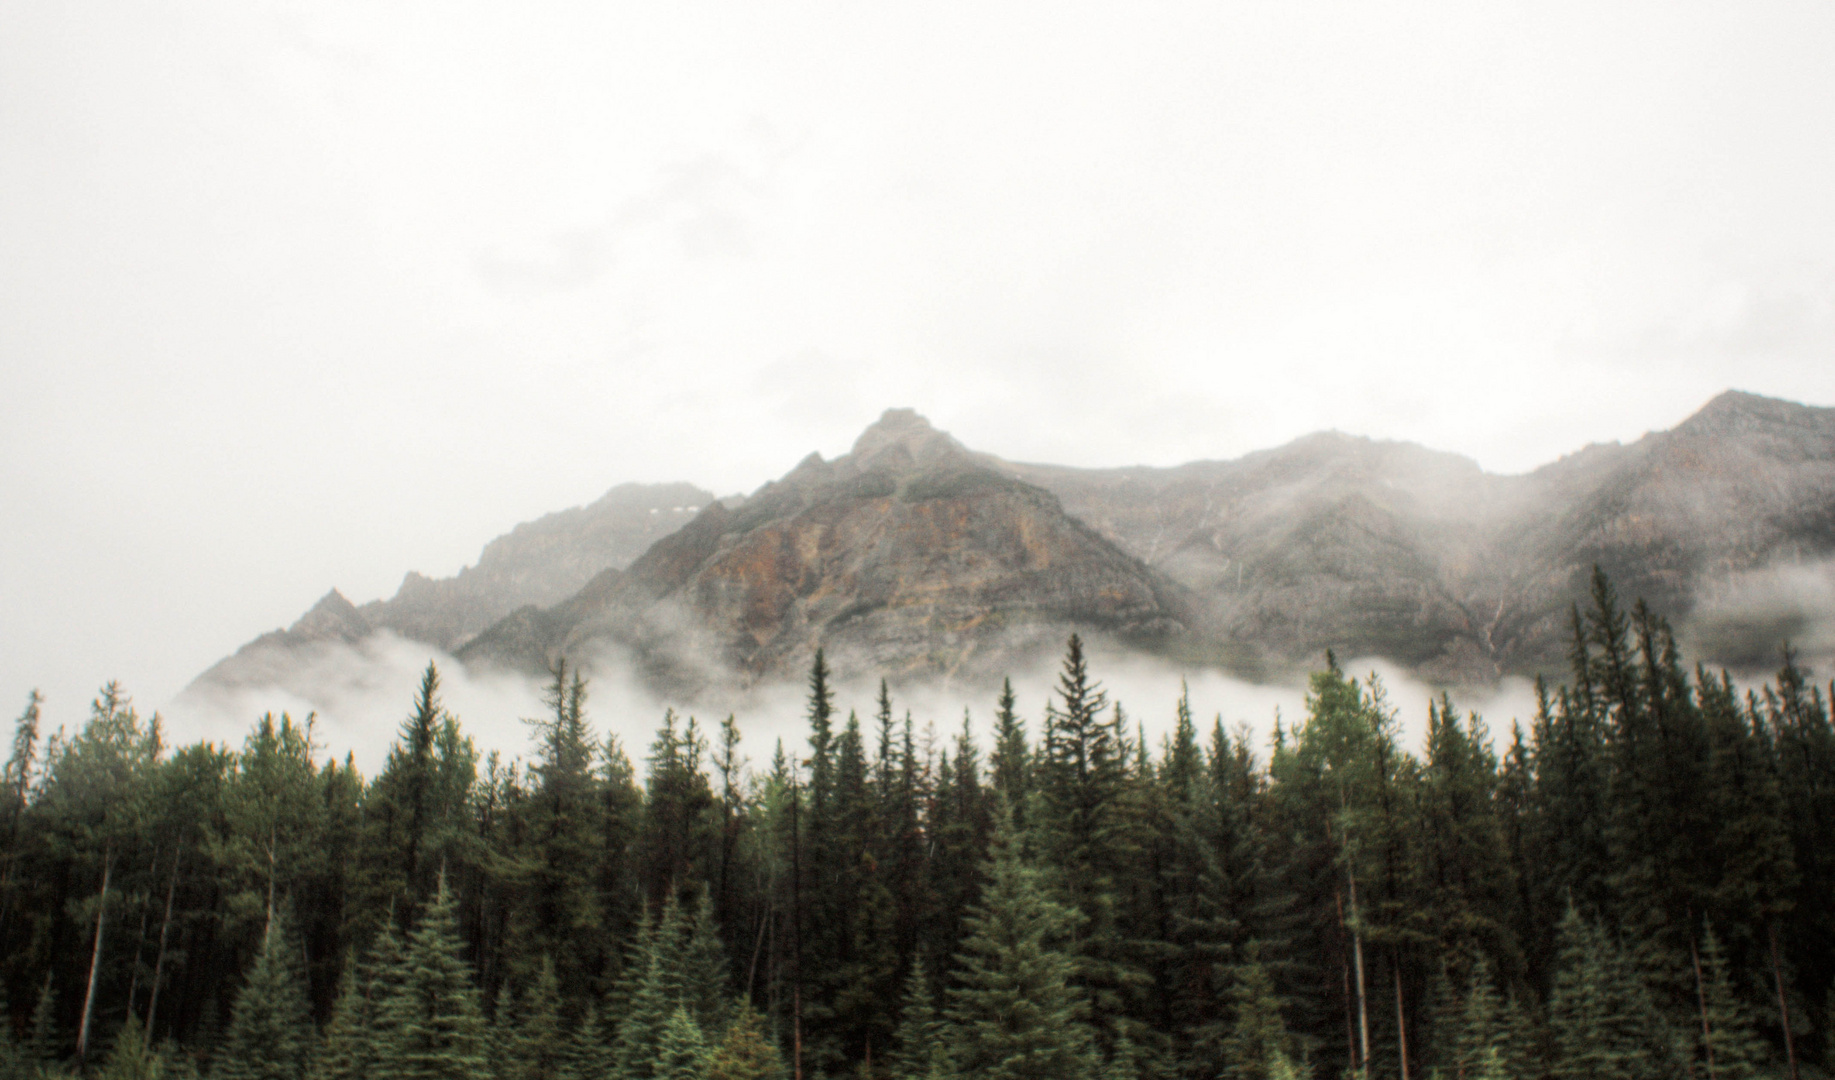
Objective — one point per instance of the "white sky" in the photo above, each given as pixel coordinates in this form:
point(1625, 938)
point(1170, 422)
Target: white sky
point(302, 295)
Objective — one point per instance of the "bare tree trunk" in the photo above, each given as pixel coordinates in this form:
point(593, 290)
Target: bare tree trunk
point(1357, 953)
point(751, 971)
point(165, 925)
point(140, 937)
point(95, 958)
point(1777, 975)
point(1701, 999)
point(1344, 963)
point(1401, 1016)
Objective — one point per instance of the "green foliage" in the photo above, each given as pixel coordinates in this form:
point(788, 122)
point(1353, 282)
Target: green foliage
point(538, 1049)
point(1179, 909)
point(270, 1033)
point(746, 1053)
point(1016, 1012)
point(1604, 1023)
point(682, 1052)
point(430, 1026)
point(1258, 1046)
point(1731, 1051)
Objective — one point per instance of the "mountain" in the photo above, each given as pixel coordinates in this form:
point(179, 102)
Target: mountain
point(540, 562)
point(909, 555)
point(912, 554)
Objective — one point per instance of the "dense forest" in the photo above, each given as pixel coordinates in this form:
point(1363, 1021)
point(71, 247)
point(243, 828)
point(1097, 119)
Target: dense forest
point(1637, 884)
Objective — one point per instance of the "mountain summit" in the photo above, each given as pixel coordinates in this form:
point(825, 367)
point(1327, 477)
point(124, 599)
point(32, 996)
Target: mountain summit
point(908, 556)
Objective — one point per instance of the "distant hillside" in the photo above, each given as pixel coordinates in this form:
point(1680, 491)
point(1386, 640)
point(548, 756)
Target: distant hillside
point(912, 554)
point(539, 562)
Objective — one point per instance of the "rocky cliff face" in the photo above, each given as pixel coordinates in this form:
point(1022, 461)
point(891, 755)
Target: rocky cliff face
point(912, 554)
point(907, 556)
point(1393, 550)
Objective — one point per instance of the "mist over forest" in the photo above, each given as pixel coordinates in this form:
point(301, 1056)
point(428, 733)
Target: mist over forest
point(1630, 882)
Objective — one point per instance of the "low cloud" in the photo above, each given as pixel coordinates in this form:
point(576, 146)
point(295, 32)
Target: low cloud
point(361, 694)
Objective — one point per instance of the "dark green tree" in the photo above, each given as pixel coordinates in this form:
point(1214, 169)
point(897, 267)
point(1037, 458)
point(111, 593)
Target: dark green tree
point(1014, 1007)
point(431, 1027)
point(270, 1034)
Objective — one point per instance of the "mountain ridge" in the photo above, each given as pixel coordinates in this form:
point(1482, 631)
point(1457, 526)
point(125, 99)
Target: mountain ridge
point(1332, 540)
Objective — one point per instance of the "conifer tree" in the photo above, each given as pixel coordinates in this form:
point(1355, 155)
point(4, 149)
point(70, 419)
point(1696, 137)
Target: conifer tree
point(746, 1053)
point(705, 980)
point(1604, 1023)
point(348, 1049)
point(130, 1058)
point(1016, 1013)
point(1258, 1046)
point(432, 1026)
point(270, 1033)
point(1731, 1050)
point(682, 1054)
point(655, 994)
point(1010, 763)
point(537, 1046)
point(589, 1049)
point(44, 1046)
point(921, 1044)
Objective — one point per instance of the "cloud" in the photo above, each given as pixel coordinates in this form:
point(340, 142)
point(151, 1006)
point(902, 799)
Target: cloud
point(361, 694)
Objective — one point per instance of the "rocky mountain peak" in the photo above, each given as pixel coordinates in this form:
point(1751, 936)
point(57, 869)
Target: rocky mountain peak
point(332, 617)
point(902, 434)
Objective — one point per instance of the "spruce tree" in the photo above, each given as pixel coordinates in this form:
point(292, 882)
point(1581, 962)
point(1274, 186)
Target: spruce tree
point(130, 1058)
point(537, 1046)
point(44, 1047)
point(655, 994)
point(1731, 1050)
point(746, 1053)
point(1016, 1013)
point(349, 1046)
point(1604, 1023)
point(270, 1033)
point(433, 1028)
point(682, 1054)
point(920, 1047)
point(1258, 1046)
point(704, 971)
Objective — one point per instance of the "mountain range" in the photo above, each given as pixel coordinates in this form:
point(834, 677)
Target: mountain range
point(914, 556)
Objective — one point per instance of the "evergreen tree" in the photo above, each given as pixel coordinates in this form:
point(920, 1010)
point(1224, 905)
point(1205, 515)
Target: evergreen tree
point(745, 1053)
point(1604, 1023)
point(1258, 1046)
point(538, 1047)
point(1731, 1050)
point(1016, 1012)
point(1010, 762)
point(44, 1045)
point(682, 1054)
point(654, 996)
point(270, 1033)
point(432, 1027)
point(921, 1044)
point(704, 971)
point(348, 1048)
point(130, 1058)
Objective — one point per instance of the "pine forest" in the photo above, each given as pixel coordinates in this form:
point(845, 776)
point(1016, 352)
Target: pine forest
point(1639, 882)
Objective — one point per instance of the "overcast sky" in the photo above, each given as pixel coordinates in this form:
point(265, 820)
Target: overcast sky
point(304, 295)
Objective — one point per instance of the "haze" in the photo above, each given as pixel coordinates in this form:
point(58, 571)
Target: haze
point(304, 295)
